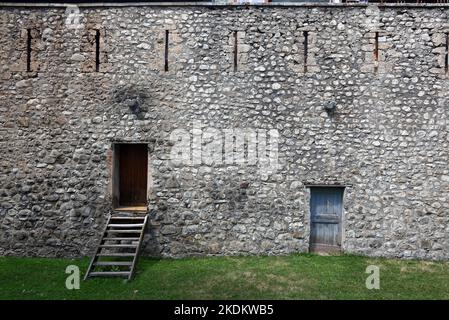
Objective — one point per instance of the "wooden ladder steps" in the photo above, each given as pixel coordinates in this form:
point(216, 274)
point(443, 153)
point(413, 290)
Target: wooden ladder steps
point(110, 274)
point(118, 246)
point(116, 254)
point(114, 263)
point(118, 225)
point(121, 239)
point(127, 218)
point(123, 231)
point(139, 225)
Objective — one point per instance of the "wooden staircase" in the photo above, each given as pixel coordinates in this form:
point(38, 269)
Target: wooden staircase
point(118, 250)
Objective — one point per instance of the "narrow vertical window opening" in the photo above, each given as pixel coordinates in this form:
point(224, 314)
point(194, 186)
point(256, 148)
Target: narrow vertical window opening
point(376, 52)
point(235, 50)
point(97, 50)
point(166, 50)
point(446, 54)
point(306, 49)
point(29, 50)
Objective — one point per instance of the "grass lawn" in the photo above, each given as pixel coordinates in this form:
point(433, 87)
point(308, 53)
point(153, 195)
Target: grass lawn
point(299, 276)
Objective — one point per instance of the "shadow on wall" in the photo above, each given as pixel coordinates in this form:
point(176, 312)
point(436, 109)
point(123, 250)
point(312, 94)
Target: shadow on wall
point(151, 246)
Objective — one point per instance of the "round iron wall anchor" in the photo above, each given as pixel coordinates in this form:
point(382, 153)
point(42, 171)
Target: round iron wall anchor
point(330, 107)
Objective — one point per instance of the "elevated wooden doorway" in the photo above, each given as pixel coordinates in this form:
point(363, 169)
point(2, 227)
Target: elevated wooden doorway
point(131, 177)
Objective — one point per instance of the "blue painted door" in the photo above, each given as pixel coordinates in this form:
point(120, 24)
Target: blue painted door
point(326, 206)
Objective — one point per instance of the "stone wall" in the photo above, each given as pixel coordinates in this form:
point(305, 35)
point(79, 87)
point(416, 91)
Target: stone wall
point(387, 140)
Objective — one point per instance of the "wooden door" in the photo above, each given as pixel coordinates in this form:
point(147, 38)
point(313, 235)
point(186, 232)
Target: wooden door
point(133, 171)
point(326, 206)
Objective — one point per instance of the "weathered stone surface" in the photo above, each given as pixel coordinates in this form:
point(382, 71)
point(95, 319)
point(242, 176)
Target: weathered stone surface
point(387, 139)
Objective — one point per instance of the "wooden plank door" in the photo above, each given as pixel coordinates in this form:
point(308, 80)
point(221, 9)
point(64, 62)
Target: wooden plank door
point(326, 206)
point(133, 171)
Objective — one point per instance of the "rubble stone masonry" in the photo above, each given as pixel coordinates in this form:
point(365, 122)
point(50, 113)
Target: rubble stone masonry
point(71, 89)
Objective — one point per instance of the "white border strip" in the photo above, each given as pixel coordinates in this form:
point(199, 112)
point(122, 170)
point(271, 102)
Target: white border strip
point(211, 4)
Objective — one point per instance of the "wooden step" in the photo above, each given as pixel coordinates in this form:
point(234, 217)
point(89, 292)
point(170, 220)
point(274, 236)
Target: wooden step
point(121, 239)
point(124, 231)
point(117, 232)
point(137, 225)
point(109, 274)
point(116, 254)
point(130, 210)
point(127, 218)
point(118, 246)
point(113, 263)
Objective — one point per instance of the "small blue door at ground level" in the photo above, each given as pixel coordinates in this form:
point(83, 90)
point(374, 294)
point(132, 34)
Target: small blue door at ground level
point(326, 207)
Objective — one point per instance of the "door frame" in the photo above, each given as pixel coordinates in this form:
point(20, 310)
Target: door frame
point(308, 216)
point(115, 176)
